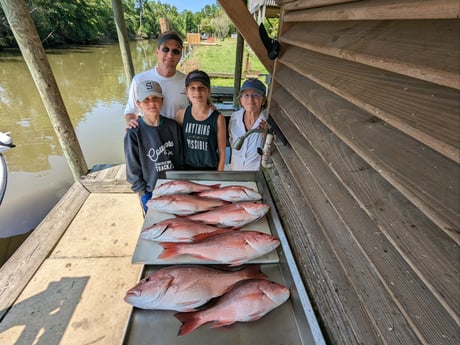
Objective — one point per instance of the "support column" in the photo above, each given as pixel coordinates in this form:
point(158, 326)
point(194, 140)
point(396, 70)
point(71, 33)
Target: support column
point(22, 25)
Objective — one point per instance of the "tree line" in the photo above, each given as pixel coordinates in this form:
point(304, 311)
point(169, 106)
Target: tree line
point(66, 22)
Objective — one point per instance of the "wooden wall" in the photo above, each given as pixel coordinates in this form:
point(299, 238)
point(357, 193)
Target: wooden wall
point(366, 95)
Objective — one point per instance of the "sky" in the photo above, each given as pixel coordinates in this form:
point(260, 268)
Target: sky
point(191, 5)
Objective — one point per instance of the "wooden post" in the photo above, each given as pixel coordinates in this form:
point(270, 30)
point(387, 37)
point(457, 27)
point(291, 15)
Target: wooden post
point(123, 40)
point(238, 66)
point(32, 50)
point(164, 24)
point(239, 14)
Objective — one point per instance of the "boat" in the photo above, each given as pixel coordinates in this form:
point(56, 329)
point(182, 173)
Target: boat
point(6, 143)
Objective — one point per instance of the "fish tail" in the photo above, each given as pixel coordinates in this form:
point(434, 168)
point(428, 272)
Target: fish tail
point(253, 271)
point(190, 322)
point(170, 249)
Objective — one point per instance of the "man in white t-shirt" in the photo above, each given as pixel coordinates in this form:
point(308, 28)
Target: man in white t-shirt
point(172, 81)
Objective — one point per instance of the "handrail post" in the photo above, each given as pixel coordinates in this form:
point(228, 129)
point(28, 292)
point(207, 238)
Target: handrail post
point(123, 40)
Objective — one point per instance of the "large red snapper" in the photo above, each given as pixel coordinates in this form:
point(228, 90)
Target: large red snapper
point(181, 187)
point(233, 248)
point(186, 287)
point(232, 193)
point(178, 230)
point(184, 204)
point(234, 215)
point(248, 300)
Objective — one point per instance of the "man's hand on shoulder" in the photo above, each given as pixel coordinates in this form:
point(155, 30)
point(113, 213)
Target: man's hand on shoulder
point(131, 121)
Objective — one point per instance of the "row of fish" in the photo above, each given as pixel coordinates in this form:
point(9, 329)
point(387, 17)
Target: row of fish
point(243, 295)
point(205, 225)
point(232, 216)
point(207, 222)
point(215, 191)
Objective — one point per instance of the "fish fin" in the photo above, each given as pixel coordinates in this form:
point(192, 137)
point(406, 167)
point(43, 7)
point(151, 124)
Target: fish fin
point(235, 228)
point(237, 262)
point(222, 323)
point(202, 236)
point(169, 250)
point(215, 186)
point(253, 271)
point(188, 303)
point(190, 322)
point(256, 316)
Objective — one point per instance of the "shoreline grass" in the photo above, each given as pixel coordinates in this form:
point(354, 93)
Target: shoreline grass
point(221, 58)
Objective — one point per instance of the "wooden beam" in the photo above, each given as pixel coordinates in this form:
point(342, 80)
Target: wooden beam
point(386, 99)
point(380, 10)
point(239, 14)
point(425, 177)
point(359, 240)
point(408, 47)
point(32, 50)
point(301, 5)
point(123, 41)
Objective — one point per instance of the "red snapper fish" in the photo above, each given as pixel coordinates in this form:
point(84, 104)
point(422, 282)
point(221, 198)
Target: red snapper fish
point(184, 204)
point(232, 193)
point(186, 287)
point(181, 187)
point(178, 230)
point(248, 300)
point(235, 215)
point(233, 247)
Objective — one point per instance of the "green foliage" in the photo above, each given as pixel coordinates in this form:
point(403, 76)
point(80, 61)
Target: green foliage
point(221, 58)
point(60, 22)
point(64, 22)
point(221, 24)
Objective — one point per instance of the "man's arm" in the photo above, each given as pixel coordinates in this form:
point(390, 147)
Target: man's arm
point(131, 108)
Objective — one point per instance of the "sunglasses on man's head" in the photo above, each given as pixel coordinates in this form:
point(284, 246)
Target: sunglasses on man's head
point(174, 51)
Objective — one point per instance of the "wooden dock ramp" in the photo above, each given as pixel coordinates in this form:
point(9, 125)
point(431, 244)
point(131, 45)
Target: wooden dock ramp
point(66, 283)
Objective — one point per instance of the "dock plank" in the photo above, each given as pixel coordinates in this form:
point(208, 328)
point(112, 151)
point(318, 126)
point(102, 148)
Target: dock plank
point(107, 178)
point(22, 265)
point(107, 225)
point(76, 300)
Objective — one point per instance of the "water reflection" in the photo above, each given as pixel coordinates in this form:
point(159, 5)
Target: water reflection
point(94, 88)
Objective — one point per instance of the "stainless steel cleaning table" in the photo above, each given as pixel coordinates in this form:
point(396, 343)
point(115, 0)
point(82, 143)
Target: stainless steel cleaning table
point(293, 323)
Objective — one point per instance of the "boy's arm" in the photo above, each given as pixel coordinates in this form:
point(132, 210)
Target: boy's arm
point(133, 166)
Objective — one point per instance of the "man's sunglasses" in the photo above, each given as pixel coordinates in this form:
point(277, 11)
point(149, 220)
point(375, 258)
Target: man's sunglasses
point(174, 51)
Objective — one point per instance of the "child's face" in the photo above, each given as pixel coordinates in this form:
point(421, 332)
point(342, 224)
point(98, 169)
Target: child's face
point(197, 92)
point(151, 105)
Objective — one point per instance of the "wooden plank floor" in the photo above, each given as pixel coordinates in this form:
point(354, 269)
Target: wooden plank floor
point(66, 283)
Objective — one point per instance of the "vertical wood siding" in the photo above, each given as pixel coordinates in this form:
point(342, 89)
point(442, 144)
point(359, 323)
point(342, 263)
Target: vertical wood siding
point(367, 95)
